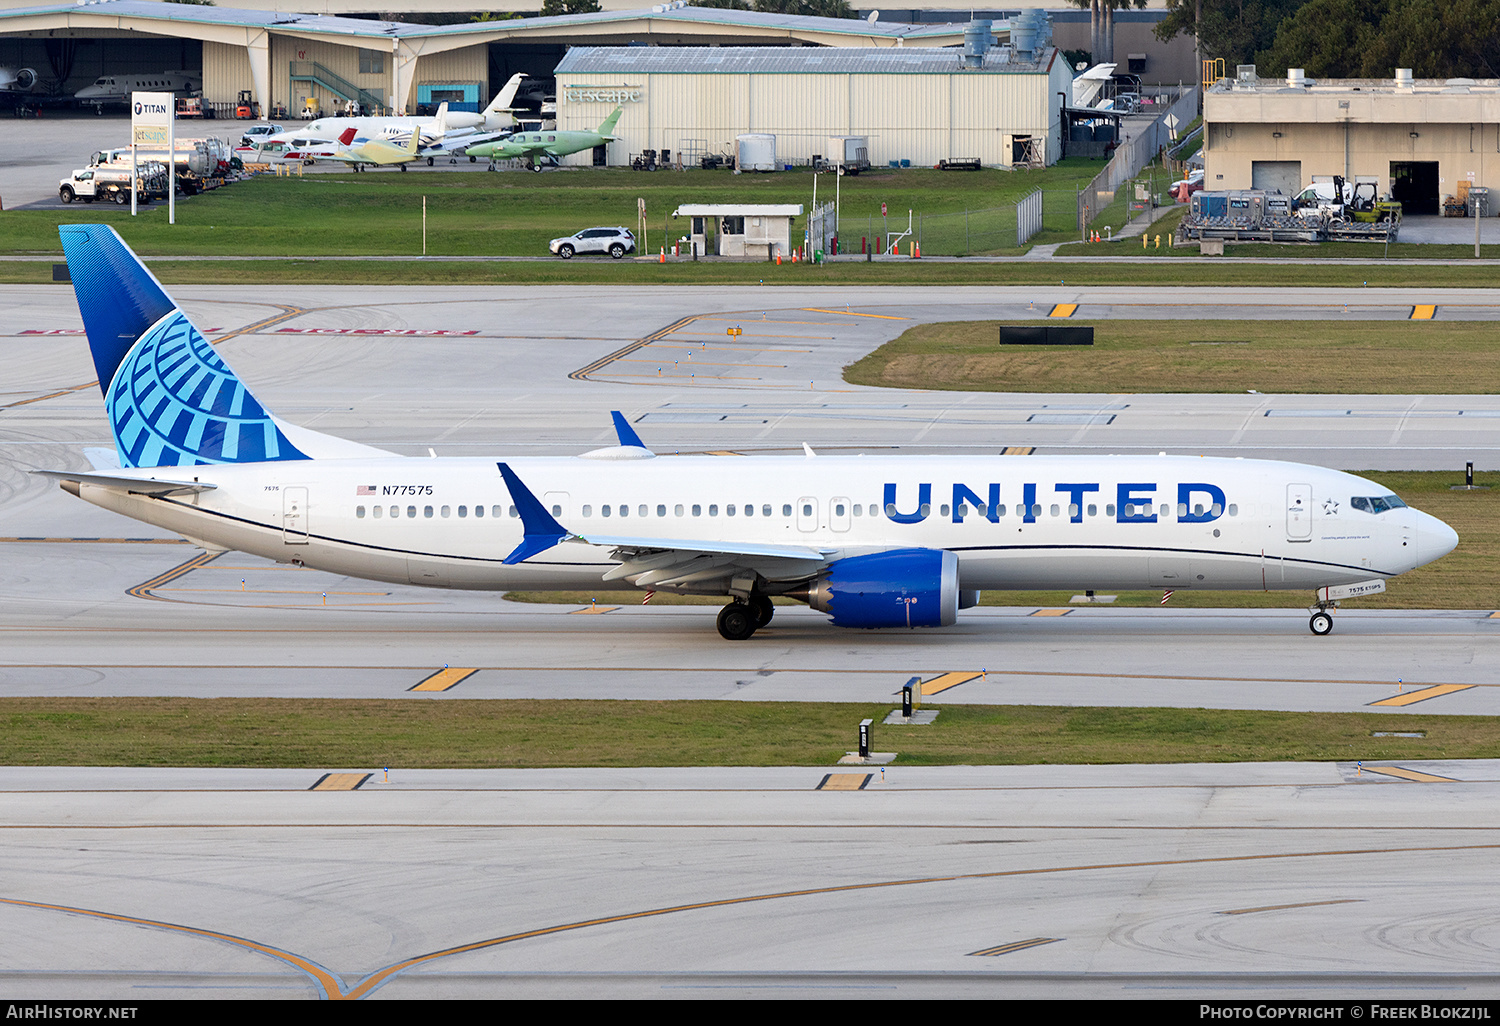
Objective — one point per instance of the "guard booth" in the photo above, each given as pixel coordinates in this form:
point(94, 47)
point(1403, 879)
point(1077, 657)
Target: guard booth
point(756, 231)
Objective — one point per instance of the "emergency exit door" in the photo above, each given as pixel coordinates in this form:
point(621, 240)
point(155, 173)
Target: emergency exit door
point(294, 516)
point(1299, 512)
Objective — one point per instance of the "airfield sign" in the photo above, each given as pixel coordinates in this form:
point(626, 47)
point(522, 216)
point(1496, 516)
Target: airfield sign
point(152, 117)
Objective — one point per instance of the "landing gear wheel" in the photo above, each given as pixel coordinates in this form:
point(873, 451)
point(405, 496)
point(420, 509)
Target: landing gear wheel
point(736, 622)
point(1320, 624)
point(762, 609)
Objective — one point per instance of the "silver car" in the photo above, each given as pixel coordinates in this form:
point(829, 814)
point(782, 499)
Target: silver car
point(614, 241)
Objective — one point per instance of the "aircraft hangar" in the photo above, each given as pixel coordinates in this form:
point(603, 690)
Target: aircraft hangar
point(284, 58)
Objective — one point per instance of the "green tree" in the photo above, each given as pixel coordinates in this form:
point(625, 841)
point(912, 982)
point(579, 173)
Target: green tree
point(807, 8)
point(1235, 30)
point(1371, 38)
point(552, 8)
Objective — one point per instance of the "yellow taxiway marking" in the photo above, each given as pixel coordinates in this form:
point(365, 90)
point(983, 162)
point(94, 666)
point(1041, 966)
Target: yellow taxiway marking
point(595, 609)
point(1412, 697)
point(764, 334)
point(180, 570)
point(1050, 612)
point(444, 679)
point(327, 980)
point(851, 313)
point(1406, 774)
point(1018, 450)
point(1423, 313)
point(340, 781)
point(1063, 310)
point(1021, 945)
point(686, 364)
point(948, 680)
point(582, 373)
point(1278, 908)
point(723, 452)
point(1493, 616)
point(693, 348)
point(844, 782)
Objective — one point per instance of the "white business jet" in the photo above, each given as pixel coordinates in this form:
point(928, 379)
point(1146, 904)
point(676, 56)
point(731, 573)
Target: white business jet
point(874, 541)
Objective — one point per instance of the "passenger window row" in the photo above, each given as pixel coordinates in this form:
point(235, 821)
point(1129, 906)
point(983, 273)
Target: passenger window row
point(1369, 505)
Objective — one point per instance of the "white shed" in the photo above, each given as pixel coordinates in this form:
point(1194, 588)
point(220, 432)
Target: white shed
point(759, 230)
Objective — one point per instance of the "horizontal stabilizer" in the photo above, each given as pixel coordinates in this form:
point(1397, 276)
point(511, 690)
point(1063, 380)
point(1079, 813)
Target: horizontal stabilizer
point(133, 485)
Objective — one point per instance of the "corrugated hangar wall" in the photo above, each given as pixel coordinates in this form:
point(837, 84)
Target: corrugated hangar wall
point(226, 70)
point(920, 118)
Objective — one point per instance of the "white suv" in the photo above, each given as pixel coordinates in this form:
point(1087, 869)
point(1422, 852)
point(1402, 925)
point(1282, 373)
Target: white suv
point(614, 241)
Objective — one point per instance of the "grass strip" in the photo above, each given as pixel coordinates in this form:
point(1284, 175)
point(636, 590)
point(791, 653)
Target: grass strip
point(413, 734)
point(1335, 355)
point(414, 271)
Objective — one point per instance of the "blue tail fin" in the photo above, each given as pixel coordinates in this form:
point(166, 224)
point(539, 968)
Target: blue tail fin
point(171, 401)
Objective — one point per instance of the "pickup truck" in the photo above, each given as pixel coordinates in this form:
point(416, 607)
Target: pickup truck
point(112, 182)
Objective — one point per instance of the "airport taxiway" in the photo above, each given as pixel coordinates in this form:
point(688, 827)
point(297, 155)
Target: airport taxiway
point(1278, 881)
point(1251, 882)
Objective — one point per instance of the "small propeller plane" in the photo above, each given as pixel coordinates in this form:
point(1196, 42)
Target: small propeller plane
point(537, 147)
point(359, 152)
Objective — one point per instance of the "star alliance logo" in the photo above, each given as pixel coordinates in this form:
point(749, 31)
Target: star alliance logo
point(1330, 508)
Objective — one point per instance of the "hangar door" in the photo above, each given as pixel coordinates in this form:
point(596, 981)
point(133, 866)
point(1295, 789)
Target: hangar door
point(1415, 185)
point(1283, 176)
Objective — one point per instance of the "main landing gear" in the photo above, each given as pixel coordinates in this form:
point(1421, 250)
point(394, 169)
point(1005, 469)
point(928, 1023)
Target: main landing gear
point(739, 620)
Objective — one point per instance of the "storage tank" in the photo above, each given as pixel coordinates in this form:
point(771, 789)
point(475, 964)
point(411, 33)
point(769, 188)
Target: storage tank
point(756, 152)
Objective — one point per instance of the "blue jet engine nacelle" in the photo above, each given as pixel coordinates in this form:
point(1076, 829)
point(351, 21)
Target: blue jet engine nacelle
point(900, 588)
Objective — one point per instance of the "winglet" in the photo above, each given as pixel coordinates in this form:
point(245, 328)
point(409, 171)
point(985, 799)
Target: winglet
point(625, 432)
point(539, 531)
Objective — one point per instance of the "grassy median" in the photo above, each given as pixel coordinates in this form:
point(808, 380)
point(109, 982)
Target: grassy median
point(417, 733)
point(1330, 356)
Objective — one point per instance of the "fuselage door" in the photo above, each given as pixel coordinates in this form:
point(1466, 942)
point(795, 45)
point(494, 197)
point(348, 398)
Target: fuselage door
point(1299, 512)
point(294, 516)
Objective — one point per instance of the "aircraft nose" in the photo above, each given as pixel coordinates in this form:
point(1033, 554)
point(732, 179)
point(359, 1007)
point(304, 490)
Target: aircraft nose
point(1435, 539)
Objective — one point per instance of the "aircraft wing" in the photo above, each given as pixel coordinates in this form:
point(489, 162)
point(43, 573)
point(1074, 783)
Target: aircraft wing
point(663, 562)
point(460, 143)
point(131, 485)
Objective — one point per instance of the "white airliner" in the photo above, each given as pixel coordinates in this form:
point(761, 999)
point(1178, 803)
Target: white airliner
point(875, 541)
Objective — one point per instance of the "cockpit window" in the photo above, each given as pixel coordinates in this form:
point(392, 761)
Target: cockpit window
point(1377, 503)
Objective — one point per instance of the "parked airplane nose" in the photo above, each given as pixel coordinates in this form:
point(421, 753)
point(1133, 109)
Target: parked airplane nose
point(1435, 539)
